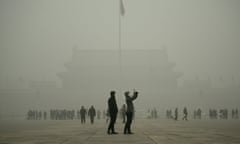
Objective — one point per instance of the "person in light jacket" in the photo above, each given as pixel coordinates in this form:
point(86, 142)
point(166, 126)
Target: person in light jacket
point(129, 111)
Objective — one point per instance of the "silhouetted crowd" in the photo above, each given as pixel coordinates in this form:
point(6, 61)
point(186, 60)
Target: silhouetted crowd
point(213, 114)
point(64, 114)
point(235, 114)
point(197, 114)
point(126, 113)
point(152, 113)
point(36, 115)
point(222, 114)
point(91, 113)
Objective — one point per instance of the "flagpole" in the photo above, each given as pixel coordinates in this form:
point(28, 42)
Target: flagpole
point(120, 35)
point(120, 47)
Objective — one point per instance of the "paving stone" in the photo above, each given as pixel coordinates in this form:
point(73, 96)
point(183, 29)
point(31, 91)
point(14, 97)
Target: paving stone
point(145, 132)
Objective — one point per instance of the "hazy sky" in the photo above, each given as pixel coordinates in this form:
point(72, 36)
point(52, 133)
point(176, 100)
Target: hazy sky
point(201, 36)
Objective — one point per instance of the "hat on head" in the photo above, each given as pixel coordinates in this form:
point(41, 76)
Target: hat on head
point(112, 92)
point(126, 93)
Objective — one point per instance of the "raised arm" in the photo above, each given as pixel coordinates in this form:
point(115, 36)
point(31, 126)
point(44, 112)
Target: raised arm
point(135, 95)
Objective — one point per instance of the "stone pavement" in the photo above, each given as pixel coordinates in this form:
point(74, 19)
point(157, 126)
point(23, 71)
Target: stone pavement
point(145, 132)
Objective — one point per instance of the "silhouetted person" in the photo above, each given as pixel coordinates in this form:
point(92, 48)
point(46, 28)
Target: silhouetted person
point(45, 115)
point(98, 114)
point(112, 111)
point(72, 114)
point(169, 114)
point(92, 114)
point(83, 113)
point(223, 114)
point(123, 113)
point(154, 113)
point(130, 110)
point(199, 113)
point(185, 113)
point(40, 115)
point(233, 114)
point(176, 114)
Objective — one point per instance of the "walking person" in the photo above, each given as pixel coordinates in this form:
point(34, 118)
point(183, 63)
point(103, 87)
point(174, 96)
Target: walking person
point(185, 113)
point(92, 114)
point(83, 113)
point(130, 110)
point(176, 114)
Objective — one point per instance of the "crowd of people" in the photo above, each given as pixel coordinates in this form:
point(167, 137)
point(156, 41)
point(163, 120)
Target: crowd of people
point(92, 113)
point(153, 114)
point(64, 114)
point(223, 114)
point(170, 115)
point(126, 113)
point(235, 114)
point(36, 115)
point(213, 114)
point(197, 114)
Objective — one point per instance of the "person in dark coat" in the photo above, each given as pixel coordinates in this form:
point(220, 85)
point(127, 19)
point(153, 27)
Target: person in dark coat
point(113, 110)
point(176, 114)
point(92, 114)
point(185, 114)
point(98, 114)
point(130, 111)
point(83, 113)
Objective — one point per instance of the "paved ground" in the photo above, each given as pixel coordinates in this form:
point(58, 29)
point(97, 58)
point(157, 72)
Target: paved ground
point(146, 132)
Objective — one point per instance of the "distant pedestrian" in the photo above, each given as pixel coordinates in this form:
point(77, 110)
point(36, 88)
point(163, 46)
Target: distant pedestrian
point(98, 114)
point(92, 114)
point(83, 113)
point(185, 114)
point(45, 115)
point(176, 114)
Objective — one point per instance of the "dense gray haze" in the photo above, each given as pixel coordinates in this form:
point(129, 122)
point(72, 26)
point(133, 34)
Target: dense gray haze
point(200, 37)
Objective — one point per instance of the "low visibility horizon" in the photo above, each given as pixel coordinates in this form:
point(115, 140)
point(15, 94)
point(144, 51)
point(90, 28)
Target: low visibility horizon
point(37, 37)
point(44, 63)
